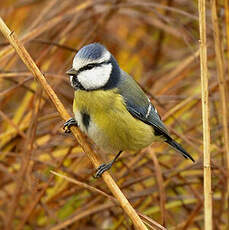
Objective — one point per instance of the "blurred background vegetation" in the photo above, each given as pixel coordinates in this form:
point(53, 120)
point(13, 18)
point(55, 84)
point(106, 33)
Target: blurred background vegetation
point(157, 42)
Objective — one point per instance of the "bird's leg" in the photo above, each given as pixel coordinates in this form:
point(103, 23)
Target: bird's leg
point(68, 124)
point(104, 167)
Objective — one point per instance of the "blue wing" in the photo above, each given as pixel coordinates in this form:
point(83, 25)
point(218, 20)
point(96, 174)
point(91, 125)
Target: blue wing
point(139, 106)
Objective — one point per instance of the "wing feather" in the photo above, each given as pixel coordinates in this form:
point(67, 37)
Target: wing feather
point(139, 105)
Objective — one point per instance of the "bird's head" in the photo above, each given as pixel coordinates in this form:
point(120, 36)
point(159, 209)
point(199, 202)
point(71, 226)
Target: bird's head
point(94, 68)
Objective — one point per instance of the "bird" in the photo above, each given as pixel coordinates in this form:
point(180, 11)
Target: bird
point(111, 108)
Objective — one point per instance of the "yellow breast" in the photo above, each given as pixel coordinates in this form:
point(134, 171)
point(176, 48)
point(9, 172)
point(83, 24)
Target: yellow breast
point(110, 125)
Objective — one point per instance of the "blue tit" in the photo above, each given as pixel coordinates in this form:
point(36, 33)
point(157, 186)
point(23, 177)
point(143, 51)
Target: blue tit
point(111, 108)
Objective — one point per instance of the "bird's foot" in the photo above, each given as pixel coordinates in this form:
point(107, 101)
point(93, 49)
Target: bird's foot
point(102, 168)
point(68, 124)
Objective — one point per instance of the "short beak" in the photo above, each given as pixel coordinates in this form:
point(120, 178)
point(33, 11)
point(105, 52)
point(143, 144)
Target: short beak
point(72, 71)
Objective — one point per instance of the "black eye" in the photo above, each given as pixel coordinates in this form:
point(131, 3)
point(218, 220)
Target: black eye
point(87, 67)
point(90, 66)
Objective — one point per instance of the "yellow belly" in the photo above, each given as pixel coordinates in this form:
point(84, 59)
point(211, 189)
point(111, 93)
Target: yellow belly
point(111, 126)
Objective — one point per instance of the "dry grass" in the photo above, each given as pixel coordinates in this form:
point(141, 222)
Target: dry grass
point(158, 43)
point(26, 58)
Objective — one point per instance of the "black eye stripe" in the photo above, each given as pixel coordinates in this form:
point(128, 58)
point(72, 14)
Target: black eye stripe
point(92, 65)
point(76, 82)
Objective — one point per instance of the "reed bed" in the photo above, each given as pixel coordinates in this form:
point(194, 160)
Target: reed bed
point(46, 175)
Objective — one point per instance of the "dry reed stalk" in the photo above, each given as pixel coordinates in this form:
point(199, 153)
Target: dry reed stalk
point(27, 152)
point(153, 224)
point(222, 90)
point(38, 195)
point(44, 27)
point(26, 58)
point(221, 78)
point(5, 117)
point(226, 135)
point(160, 183)
point(192, 215)
point(42, 15)
point(226, 6)
point(83, 185)
point(174, 75)
point(83, 214)
point(205, 117)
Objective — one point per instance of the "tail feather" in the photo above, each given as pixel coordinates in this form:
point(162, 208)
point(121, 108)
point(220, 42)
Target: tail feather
point(179, 148)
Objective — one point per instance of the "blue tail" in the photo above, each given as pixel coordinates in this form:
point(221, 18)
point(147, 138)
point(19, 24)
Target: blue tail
point(179, 148)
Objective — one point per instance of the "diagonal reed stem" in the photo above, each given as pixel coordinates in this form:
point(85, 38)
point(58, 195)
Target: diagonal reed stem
point(205, 117)
point(26, 58)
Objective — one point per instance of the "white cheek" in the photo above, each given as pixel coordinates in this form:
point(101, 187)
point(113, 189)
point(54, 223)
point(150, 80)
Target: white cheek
point(95, 78)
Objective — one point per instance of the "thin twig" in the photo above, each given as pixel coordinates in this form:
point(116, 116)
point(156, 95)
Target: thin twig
point(84, 185)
